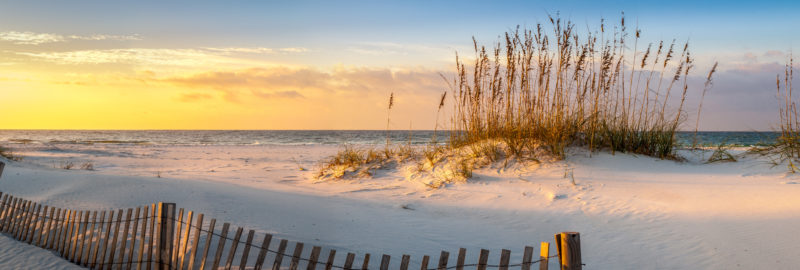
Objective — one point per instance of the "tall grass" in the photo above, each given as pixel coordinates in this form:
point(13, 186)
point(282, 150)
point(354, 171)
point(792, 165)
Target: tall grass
point(549, 89)
point(787, 145)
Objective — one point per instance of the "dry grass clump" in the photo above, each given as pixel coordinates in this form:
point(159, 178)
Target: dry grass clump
point(87, 166)
point(721, 154)
point(8, 154)
point(787, 146)
point(535, 89)
point(66, 165)
point(354, 162)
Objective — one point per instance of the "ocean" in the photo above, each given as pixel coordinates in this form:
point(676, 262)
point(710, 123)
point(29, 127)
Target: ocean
point(304, 137)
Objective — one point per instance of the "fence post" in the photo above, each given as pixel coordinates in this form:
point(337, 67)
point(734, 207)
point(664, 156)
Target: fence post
point(2, 166)
point(166, 229)
point(569, 250)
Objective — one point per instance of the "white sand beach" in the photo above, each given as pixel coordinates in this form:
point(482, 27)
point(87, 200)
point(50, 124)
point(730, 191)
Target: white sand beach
point(633, 212)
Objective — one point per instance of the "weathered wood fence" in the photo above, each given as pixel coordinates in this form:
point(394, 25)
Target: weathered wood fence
point(155, 237)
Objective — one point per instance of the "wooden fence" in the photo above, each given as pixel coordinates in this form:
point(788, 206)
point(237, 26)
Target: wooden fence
point(155, 237)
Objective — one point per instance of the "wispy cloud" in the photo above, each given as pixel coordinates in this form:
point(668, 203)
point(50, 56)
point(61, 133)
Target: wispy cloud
point(106, 37)
point(202, 57)
point(256, 50)
point(32, 38)
point(281, 82)
point(181, 57)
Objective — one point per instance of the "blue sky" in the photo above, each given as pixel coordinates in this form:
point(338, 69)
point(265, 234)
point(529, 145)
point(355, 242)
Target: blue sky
point(391, 35)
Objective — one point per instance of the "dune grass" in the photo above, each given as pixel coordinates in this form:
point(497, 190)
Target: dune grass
point(787, 146)
point(538, 91)
point(551, 90)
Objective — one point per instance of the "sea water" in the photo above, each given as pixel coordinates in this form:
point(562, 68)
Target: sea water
point(308, 137)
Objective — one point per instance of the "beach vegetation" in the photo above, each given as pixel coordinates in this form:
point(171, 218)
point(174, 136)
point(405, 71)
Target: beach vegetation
point(721, 154)
point(66, 165)
point(539, 89)
point(536, 92)
point(87, 166)
point(8, 154)
point(786, 147)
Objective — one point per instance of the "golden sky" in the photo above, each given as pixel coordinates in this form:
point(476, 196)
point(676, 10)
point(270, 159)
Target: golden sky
point(319, 65)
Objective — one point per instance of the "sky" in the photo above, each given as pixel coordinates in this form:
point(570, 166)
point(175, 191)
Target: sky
point(333, 64)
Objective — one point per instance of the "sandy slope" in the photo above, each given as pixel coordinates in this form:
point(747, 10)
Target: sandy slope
point(15, 255)
point(633, 212)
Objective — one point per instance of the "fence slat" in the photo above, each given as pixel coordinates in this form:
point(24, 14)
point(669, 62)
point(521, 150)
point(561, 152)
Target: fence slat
point(505, 256)
point(262, 255)
point(9, 221)
point(97, 246)
point(177, 243)
point(81, 237)
point(424, 264)
point(331, 258)
point(151, 244)
point(21, 218)
point(348, 261)
point(365, 264)
point(133, 237)
point(234, 246)
point(143, 237)
point(106, 241)
point(28, 237)
point(10, 217)
point(63, 230)
point(52, 225)
point(483, 259)
point(527, 258)
point(166, 234)
point(8, 212)
point(45, 228)
point(569, 250)
point(462, 255)
point(443, 257)
point(24, 223)
point(195, 240)
point(207, 246)
point(279, 256)
point(182, 254)
point(89, 239)
point(312, 260)
point(28, 222)
point(404, 262)
point(18, 214)
point(5, 208)
point(40, 213)
point(15, 215)
point(34, 223)
point(221, 245)
point(73, 233)
point(246, 250)
point(544, 256)
point(298, 251)
point(38, 225)
point(385, 262)
point(76, 224)
point(66, 231)
point(124, 239)
point(113, 250)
